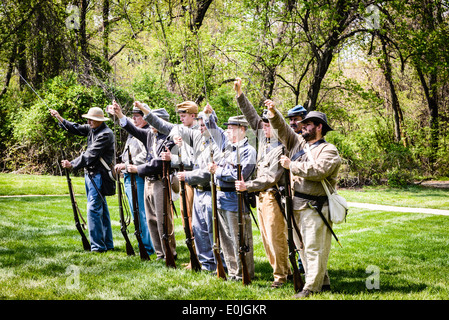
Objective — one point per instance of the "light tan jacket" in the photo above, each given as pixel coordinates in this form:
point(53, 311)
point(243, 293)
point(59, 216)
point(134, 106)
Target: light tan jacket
point(306, 174)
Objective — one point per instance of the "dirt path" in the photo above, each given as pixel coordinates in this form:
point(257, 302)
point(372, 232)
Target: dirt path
point(397, 209)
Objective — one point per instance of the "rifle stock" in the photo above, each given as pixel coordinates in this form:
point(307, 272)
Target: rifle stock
point(243, 248)
point(195, 263)
point(76, 213)
point(142, 251)
point(221, 273)
point(169, 257)
point(123, 225)
point(298, 282)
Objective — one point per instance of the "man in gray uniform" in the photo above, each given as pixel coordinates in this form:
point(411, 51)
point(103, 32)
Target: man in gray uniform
point(273, 228)
point(187, 111)
point(238, 151)
point(139, 155)
point(151, 170)
point(208, 138)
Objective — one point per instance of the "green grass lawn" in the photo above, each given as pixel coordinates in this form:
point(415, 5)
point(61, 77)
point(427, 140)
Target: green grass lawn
point(385, 255)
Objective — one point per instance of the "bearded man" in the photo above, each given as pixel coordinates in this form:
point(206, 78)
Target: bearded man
point(309, 195)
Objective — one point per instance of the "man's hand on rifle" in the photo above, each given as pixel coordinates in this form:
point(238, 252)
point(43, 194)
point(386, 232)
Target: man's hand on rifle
point(119, 167)
point(270, 106)
point(131, 168)
point(238, 86)
point(212, 167)
point(166, 155)
point(141, 106)
point(66, 164)
point(285, 162)
point(208, 109)
point(240, 185)
point(181, 176)
point(177, 140)
point(56, 114)
point(115, 110)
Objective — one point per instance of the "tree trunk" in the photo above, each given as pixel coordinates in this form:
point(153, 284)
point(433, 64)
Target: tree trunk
point(199, 14)
point(106, 29)
point(38, 50)
point(22, 64)
point(397, 111)
point(320, 72)
point(83, 36)
point(430, 91)
point(12, 59)
point(324, 55)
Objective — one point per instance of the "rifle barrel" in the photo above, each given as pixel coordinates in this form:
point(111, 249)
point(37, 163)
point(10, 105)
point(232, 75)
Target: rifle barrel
point(221, 273)
point(243, 248)
point(298, 282)
point(86, 244)
point(123, 226)
point(143, 252)
point(195, 263)
point(169, 257)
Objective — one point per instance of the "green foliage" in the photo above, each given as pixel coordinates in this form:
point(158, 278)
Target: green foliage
point(151, 54)
point(148, 89)
point(36, 136)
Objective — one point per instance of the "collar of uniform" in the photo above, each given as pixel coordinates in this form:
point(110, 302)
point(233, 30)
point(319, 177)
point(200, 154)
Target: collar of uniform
point(241, 143)
point(99, 128)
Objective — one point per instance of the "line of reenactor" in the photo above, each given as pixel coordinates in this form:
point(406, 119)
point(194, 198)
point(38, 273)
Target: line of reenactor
point(219, 177)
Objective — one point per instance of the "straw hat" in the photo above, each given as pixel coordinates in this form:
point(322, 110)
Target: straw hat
point(96, 114)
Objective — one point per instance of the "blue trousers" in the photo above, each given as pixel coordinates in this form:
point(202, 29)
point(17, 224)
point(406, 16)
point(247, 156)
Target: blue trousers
point(98, 220)
point(144, 231)
point(202, 227)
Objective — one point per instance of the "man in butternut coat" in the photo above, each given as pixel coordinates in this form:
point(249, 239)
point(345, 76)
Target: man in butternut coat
point(309, 195)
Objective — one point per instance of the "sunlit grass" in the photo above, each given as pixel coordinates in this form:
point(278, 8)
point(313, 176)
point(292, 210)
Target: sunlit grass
point(41, 255)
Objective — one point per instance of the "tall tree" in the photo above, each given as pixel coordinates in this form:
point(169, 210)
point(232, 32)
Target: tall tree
point(423, 29)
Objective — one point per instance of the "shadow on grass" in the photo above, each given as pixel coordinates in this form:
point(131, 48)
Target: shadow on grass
point(358, 281)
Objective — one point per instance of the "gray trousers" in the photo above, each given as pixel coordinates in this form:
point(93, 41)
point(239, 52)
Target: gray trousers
point(154, 209)
point(229, 242)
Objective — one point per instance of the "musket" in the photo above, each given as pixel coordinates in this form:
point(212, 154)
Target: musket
point(143, 252)
point(298, 282)
point(77, 213)
point(195, 263)
point(243, 247)
point(221, 273)
point(123, 224)
point(169, 258)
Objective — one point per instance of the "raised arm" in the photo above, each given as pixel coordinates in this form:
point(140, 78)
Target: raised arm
point(248, 110)
point(283, 131)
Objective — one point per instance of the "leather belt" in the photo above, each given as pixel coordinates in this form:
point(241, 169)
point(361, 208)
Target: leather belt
point(203, 188)
point(321, 199)
point(153, 178)
point(226, 189)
